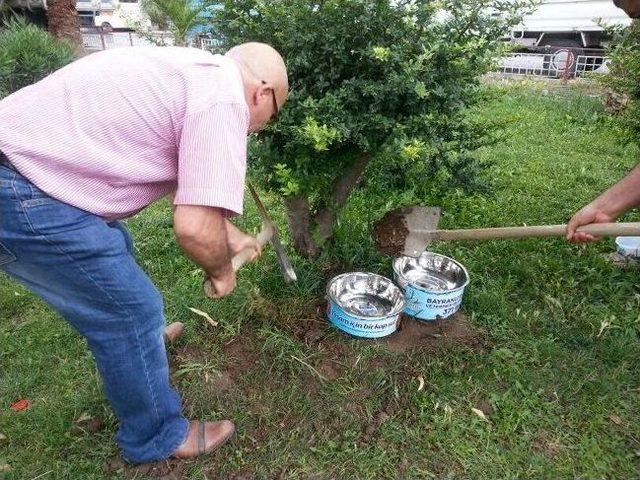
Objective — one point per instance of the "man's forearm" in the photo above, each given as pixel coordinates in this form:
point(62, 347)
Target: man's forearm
point(202, 234)
point(621, 197)
point(233, 232)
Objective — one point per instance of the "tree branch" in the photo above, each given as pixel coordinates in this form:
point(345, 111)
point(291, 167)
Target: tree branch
point(324, 219)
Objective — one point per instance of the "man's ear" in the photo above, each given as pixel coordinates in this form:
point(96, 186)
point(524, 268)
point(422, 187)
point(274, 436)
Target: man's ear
point(264, 91)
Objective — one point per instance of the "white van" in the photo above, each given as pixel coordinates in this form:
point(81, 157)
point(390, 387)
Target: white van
point(569, 23)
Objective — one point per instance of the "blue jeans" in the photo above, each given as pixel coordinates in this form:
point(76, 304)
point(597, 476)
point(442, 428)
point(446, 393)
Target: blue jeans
point(84, 268)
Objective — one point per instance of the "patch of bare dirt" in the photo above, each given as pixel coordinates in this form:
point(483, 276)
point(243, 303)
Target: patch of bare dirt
point(329, 369)
point(162, 470)
point(431, 337)
point(237, 357)
point(621, 261)
point(390, 232)
point(245, 474)
point(549, 447)
point(240, 355)
point(372, 428)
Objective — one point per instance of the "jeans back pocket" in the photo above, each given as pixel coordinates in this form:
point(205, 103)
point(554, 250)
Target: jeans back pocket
point(36, 197)
point(5, 255)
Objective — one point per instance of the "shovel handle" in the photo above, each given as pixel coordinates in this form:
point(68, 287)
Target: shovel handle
point(598, 229)
point(238, 260)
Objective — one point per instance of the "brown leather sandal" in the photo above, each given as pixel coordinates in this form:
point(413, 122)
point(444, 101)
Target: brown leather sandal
point(209, 436)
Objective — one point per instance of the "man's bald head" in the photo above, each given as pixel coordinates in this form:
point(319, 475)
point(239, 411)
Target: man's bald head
point(263, 63)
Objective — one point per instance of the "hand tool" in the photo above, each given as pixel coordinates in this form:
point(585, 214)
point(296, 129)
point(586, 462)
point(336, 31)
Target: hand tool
point(268, 233)
point(408, 231)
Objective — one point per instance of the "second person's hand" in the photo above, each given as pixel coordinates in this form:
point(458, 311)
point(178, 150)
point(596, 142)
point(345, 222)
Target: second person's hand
point(586, 216)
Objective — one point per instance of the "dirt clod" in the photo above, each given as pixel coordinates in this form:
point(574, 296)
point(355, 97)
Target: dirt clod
point(329, 369)
point(431, 337)
point(390, 232)
point(86, 426)
point(485, 407)
point(314, 335)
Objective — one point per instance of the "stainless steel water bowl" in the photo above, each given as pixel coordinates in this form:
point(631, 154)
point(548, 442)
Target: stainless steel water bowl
point(366, 295)
point(430, 271)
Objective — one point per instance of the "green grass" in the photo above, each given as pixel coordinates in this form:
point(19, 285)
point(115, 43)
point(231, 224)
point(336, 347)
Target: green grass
point(552, 378)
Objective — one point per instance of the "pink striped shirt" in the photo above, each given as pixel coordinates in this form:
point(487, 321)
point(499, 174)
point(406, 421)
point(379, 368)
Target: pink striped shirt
point(116, 130)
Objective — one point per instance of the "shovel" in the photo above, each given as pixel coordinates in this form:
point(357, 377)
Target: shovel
point(408, 231)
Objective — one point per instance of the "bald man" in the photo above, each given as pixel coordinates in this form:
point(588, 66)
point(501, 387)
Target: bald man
point(96, 142)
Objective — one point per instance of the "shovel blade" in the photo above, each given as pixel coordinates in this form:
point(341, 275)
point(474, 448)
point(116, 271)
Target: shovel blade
point(422, 222)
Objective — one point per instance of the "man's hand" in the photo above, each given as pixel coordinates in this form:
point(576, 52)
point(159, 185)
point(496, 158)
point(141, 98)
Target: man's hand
point(607, 207)
point(239, 241)
point(587, 215)
point(224, 283)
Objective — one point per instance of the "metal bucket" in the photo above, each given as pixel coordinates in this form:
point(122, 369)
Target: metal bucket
point(364, 304)
point(433, 285)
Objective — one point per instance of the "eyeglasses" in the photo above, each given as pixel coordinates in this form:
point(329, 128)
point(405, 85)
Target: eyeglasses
point(276, 110)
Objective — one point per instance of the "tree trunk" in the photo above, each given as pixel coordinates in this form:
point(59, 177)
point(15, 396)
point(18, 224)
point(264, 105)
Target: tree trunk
point(63, 23)
point(310, 233)
point(298, 213)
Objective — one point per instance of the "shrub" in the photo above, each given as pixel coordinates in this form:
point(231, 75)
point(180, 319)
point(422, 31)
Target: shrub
point(27, 54)
point(369, 78)
point(624, 78)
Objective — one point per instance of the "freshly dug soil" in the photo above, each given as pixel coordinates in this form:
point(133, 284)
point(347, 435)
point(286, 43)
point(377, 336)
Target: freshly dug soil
point(431, 337)
point(390, 232)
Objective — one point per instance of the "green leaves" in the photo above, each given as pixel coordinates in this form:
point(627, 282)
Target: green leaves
point(179, 16)
point(624, 78)
point(319, 137)
point(28, 54)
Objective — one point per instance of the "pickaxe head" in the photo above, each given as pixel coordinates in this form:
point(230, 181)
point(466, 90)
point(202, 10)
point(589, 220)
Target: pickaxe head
point(268, 223)
point(406, 230)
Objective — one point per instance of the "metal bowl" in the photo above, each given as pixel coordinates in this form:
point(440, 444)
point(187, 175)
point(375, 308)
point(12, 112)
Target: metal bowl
point(366, 295)
point(430, 271)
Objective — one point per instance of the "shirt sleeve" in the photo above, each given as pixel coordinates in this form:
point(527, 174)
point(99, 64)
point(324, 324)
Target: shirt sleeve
point(212, 158)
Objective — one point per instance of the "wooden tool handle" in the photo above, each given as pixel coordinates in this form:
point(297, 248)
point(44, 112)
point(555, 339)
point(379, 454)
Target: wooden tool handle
point(598, 229)
point(265, 234)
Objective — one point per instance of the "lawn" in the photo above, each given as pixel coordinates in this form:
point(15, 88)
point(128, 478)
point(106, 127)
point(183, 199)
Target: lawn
point(553, 364)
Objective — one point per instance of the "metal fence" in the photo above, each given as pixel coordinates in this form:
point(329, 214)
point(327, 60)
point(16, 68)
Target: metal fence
point(103, 41)
point(96, 40)
point(562, 63)
point(208, 43)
